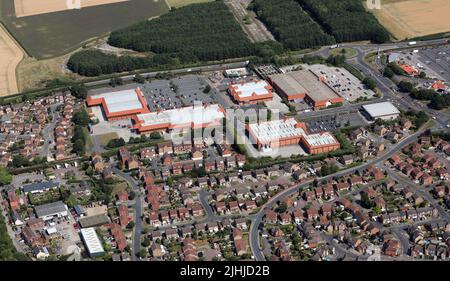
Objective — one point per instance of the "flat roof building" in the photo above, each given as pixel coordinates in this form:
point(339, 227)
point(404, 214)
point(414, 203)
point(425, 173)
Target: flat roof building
point(185, 117)
point(382, 110)
point(284, 132)
point(287, 86)
point(251, 92)
point(304, 84)
point(120, 104)
point(51, 210)
point(95, 220)
point(92, 242)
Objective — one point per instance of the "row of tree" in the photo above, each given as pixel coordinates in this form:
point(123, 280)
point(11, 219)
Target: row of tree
point(437, 101)
point(290, 24)
point(346, 20)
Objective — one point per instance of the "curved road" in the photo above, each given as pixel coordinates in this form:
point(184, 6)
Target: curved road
point(137, 211)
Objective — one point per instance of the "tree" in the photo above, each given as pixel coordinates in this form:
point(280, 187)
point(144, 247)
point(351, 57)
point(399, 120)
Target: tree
point(143, 253)
point(113, 143)
point(388, 72)
point(365, 201)
point(116, 81)
point(405, 86)
point(81, 118)
point(369, 83)
point(131, 224)
point(422, 74)
point(282, 207)
point(79, 147)
point(20, 161)
point(155, 136)
point(5, 176)
point(79, 91)
point(146, 242)
point(207, 89)
point(138, 78)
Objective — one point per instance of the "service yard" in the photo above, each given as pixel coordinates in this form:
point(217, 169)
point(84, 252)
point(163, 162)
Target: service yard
point(414, 18)
point(10, 56)
point(26, 8)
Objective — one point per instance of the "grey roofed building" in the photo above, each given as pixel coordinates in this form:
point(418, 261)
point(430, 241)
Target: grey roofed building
point(45, 211)
point(382, 110)
point(40, 186)
point(92, 221)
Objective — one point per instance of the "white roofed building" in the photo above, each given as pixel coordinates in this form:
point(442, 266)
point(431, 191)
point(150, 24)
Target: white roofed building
point(284, 132)
point(92, 242)
point(382, 110)
point(251, 92)
point(196, 116)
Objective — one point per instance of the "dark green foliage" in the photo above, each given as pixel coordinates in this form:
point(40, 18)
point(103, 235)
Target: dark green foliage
point(328, 169)
point(388, 72)
point(5, 177)
point(81, 118)
point(7, 250)
point(206, 31)
point(336, 60)
point(369, 83)
point(346, 20)
point(396, 69)
point(20, 161)
point(138, 78)
point(116, 81)
point(417, 117)
point(79, 91)
point(290, 24)
point(116, 143)
point(405, 86)
point(79, 140)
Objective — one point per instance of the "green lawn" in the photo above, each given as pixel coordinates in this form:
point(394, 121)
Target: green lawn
point(349, 53)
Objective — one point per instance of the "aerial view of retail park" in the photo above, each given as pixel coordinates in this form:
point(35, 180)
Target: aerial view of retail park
point(224, 130)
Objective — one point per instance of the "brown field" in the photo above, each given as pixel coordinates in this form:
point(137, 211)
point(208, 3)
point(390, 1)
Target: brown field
point(10, 56)
point(414, 18)
point(26, 8)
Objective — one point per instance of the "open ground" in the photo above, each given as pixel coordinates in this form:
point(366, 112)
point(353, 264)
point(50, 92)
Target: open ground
point(10, 56)
point(414, 18)
point(24, 8)
point(180, 3)
point(55, 34)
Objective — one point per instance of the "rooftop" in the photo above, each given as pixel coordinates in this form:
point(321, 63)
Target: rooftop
point(91, 240)
point(381, 109)
point(320, 139)
point(316, 89)
point(276, 130)
point(192, 115)
point(288, 83)
point(39, 186)
point(245, 90)
point(50, 209)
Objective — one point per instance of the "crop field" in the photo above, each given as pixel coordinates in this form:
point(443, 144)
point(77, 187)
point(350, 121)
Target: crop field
point(25, 8)
point(414, 18)
point(54, 34)
point(10, 56)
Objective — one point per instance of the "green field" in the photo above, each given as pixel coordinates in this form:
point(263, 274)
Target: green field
point(55, 34)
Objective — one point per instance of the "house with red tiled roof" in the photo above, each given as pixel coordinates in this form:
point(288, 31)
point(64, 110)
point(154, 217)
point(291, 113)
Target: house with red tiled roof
point(124, 218)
